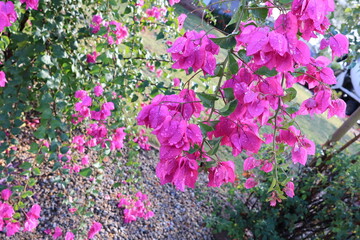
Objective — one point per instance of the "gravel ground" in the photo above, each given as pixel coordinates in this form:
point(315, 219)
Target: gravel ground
point(178, 215)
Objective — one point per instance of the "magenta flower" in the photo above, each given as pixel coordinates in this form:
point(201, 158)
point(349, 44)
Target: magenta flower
point(33, 4)
point(30, 224)
point(289, 189)
point(267, 167)
point(159, 72)
point(95, 228)
point(6, 210)
point(176, 82)
point(57, 233)
point(181, 20)
point(69, 236)
point(224, 172)
point(251, 163)
point(139, 3)
point(91, 58)
point(6, 194)
point(85, 160)
point(250, 183)
point(98, 90)
point(3, 80)
point(172, 2)
point(34, 211)
point(12, 228)
point(195, 50)
point(72, 210)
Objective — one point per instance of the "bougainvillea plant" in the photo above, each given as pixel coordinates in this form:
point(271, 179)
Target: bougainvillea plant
point(254, 92)
point(76, 75)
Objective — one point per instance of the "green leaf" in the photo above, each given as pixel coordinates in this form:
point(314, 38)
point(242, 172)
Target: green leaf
point(292, 109)
point(228, 108)
point(290, 95)
point(64, 150)
point(34, 148)
point(40, 158)
point(44, 74)
point(207, 99)
point(266, 71)
point(25, 165)
point(17, 188)
point(37, 171)
point(116, 185)
point(236, 17)
point(56, 166)
point(101, 46)
point(233, 64)
point(46, 59)
point(17, 216)
point(227, 42)
point(46, 114)
point(243, 56)
point(15, 131)
point(27, 194)
point(260, 13)
point(229, 94)
point(40, 133)
point(85, 172)
point(102, 31)
point(219, 70)
point(32, 182)
point(160, 35)
point(214, 149)
point(205, 128)
point(272, 186)
point(285, 1)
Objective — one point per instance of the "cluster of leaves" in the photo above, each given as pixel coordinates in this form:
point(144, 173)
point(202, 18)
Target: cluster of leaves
point(44, 56)
point(325, 206)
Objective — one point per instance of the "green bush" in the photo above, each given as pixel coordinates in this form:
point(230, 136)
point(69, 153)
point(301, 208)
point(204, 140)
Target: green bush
point(325, 206)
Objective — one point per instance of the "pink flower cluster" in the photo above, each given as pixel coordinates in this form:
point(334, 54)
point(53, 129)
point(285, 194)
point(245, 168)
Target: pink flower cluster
point(157, 13)
point(7, 16)
point(142, 140)
point(11, 225)
point(195, 50)
point(97, 132)
point(289, 191)
point(339, 45)
point(91, 58)
point(116, 32)
point(278, 48)
point(224, 172)
point(301, 146)
point(172, 2)
point(94, 229)
point(135, 207)
point(311, 16)
point(169, 116)
point(33, 4)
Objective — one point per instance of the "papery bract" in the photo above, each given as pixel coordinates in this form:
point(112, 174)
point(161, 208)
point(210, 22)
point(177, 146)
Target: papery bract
point(12, 228)
point(224, 172)
point(339, 45)
point(250, 183)
point(289, 189)
point(57, 233)
point(5, 194)
point(69, 236)
point(3, 80)
point(95, 228)
point(30, 224)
